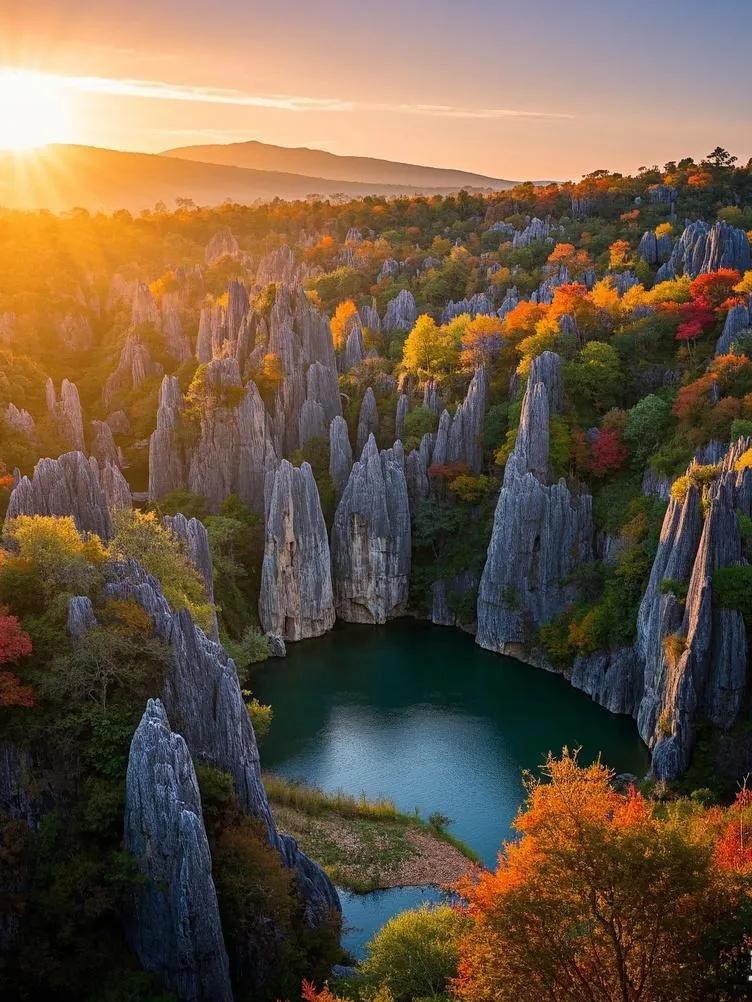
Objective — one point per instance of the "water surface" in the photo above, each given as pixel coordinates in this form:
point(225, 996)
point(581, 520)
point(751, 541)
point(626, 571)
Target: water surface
point(421, 715)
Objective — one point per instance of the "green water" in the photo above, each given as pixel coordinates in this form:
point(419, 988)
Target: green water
point(423, 716)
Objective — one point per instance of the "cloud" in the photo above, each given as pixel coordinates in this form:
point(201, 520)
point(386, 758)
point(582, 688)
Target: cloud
point(159, 90)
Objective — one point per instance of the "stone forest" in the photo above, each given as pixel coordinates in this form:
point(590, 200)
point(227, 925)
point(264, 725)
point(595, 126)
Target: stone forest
point(375, 587)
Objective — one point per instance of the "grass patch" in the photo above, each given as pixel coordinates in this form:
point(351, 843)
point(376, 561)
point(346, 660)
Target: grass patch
point(366, 845)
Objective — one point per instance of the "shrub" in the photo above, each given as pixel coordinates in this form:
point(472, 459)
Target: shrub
point(416, 953)
point(699, 476)
point(675, 588)
point(732, 589)
point(51, 546)
point(674, 645)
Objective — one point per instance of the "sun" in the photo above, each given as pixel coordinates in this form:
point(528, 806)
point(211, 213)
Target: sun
point(34, 110)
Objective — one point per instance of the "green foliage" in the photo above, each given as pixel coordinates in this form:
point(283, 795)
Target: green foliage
point(140, 536)
point(648, 424)
point(418, 422)
point(741, 428)
point(236, 541)
point(732, 589)
point(184, 503)
point(416, 953)
point(594, 379)
point(676, 588)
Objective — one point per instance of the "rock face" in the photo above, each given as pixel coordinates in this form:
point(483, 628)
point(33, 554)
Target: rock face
point(479, 304)
point(226, 450)
point(541, 531)
point(371, 539)
point(368, 420)
point(355, 350)
point(655, 250)
point(71, 485)
point(204, 703)
point(702, 248)
point(340, 455)
point(738, 324)
point(173, 923)
point(693, 654)
point(222, 244)
point(416, 472)
point(21, 421)
point(280, 267)
point(446, 593)
point(403, 405)
point(195, 540)
point(296, 599)
point(458, 439)
point(67, 413)
point(536, 229)
point(401, 312)
point(103, 446)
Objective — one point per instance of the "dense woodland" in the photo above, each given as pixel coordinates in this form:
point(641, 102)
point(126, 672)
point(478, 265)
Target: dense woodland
point(636, 292)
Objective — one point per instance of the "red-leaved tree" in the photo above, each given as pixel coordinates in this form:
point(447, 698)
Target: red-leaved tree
point(15, 644)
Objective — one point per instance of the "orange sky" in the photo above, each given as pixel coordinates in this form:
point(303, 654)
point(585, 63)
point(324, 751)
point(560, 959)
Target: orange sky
point(547, 90)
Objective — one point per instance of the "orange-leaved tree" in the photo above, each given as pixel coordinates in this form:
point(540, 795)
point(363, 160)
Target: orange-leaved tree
point(605, 898)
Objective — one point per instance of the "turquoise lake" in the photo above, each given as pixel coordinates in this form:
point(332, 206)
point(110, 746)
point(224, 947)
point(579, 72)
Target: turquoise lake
point(421, 715)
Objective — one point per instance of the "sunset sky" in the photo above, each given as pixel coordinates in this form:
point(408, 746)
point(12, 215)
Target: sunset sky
point(538, 89)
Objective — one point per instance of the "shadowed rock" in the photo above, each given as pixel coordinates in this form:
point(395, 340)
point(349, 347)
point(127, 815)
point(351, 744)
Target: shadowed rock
point(368, 420)
point(371, 539)
point(296, 599)
point(173, 923)
point(340, 455)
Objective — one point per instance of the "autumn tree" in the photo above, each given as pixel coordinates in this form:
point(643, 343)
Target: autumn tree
point(618, 254)
point(342, 323)
point(430, 350)
point(601, 900)
point(15, 644)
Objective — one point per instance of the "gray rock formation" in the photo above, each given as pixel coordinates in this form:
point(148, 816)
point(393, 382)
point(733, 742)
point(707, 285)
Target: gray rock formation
point(536, 229)
point(613, 679)
point(322, 387)
point(228, 448)
point(20, 421)
point(340, 456)
point(173, 923)
point(445, 596)
point(81, 616)
point(66, 412)
point(355, 350)
point(222, 244)
point(369, 317)
point(416, 472)
point(368, 420)
point(371, 539)
point(459, 439)
point(134, 367)
point(737, 327)
point(296, 600)
point(69, 485)
point(103, 446)
point(693, 652)
point(541, 531)
point(403, 405)
point(401, 312)
point(479, 304)
point(655, 250)
point(74, 331)
point(280, 267)
point(702, 248)
point(204, 703)
point(389, 269)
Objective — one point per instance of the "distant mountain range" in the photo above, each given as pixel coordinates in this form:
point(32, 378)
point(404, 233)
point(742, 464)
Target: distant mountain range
point(61, 177)
point(317, 163)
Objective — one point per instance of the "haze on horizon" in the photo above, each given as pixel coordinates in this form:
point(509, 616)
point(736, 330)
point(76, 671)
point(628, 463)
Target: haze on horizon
point(545, 92)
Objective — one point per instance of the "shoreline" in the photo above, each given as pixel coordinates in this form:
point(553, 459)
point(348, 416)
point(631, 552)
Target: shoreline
point(367, 846)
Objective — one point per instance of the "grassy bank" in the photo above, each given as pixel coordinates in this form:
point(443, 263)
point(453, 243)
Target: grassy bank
point(366, 845)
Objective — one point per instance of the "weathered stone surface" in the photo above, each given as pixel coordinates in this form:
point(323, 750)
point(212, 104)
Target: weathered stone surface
point(611, 678)
point(81, 616)
point(371, 539)
point(368, 420)
point(167, 468)
point(340, 455)
point(511, 298)
point(416, 472)
point(445, 596)
point(67, 413)
point(69, 485)
point(403, 405)
point(21, 421)
point(134, 367)
point(279, 267)
point(738, 324)
point(465, 430)
point(479, 304)
point(173, 923)
point(322, 387)
point(222, 244)
point(296, 600)
point(705, 675)
point(536, 229)
point(355, 350)
point(389, 269)
point(204, 703)
point(655, 250)
point(702, 248)
point(175, 339)
point(369, 317)
point(103, 446)
point(541, 531)
point(401, 312)
point(277, 648)
point(432, 397)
